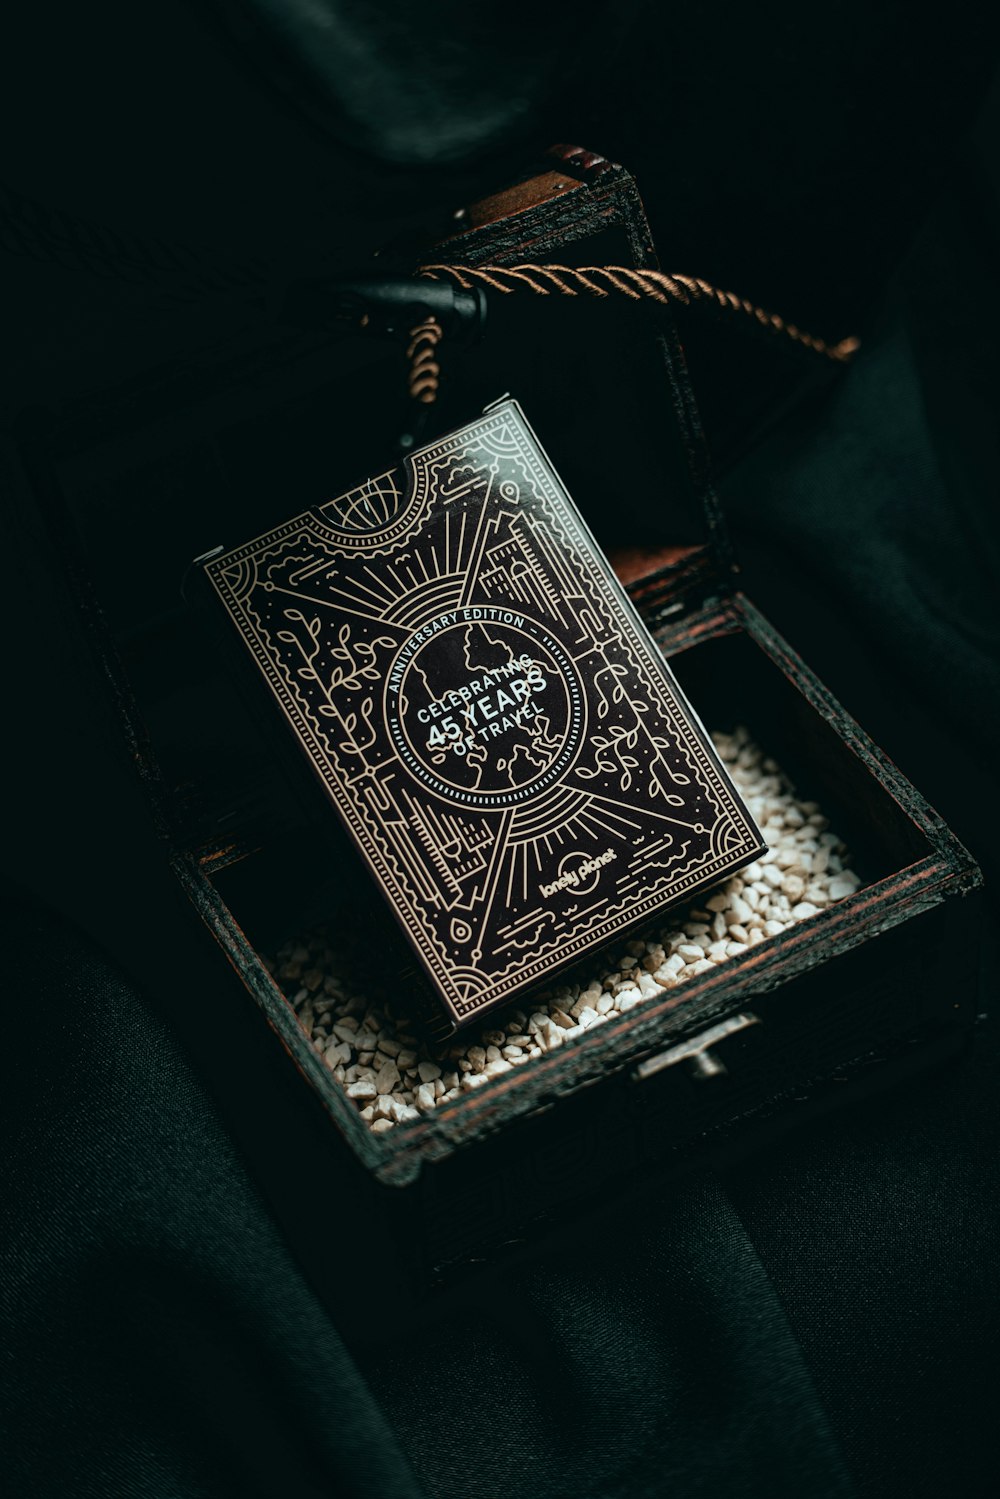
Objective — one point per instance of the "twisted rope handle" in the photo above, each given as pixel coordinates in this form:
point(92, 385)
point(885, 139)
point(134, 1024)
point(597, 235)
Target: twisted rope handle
point(425, 372)
point(657, 286)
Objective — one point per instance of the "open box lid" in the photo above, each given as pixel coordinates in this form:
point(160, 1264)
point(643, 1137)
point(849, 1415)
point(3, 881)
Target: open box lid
point(581, 369)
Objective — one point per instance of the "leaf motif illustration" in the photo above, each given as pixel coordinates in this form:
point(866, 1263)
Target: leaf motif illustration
point(287, 637)
point(626, 780)
point(586, 775)
point(295, 614)
point(336, 677)
point(327, 711)
point(344, 633)
point(309, 672)
point(314, 628)
point(371, 672)
point(351, 722)
point(630, 761)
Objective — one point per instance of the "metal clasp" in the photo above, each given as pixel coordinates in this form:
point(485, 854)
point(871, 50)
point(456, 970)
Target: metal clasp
point(696, 1051)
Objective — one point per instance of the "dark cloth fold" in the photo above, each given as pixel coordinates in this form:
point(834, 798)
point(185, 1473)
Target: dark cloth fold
point(158, 1338)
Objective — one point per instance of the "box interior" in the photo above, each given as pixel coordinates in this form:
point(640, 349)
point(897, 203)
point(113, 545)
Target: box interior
point(304, 873)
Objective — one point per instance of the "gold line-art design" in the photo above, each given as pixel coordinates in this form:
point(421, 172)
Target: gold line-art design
point(484, 709)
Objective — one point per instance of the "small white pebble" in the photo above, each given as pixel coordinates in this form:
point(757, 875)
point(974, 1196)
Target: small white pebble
point(387, 1078)
point(741, 911)
point(551, 1036)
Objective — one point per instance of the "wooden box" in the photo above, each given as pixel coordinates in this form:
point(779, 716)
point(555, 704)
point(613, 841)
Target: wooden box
point(864, 989)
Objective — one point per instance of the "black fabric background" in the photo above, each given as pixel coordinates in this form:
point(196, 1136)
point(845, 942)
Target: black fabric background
point(823, 1317)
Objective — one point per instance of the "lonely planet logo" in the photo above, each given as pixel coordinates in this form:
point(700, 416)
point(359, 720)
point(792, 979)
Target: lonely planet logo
point(577, 872)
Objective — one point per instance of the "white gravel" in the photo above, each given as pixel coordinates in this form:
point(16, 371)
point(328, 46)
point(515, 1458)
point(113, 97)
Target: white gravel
point(376, 1053)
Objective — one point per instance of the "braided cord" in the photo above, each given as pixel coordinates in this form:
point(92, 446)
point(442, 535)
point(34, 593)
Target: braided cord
point(425, 372)
point(637, 285)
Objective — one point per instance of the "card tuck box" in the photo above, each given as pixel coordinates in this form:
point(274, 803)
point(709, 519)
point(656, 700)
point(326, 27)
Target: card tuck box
point(221, 449)
point(481, 704)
